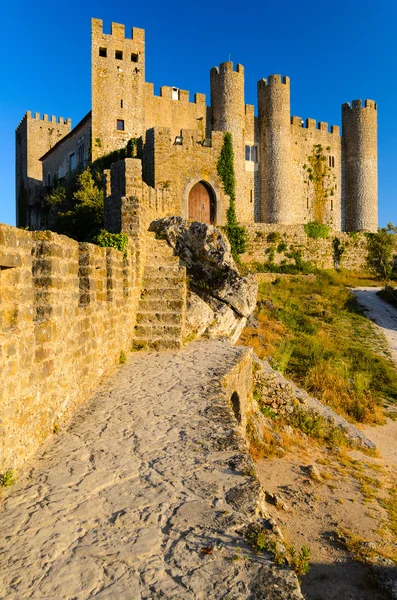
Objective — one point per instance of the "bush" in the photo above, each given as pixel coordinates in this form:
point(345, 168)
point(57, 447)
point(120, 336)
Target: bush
point(381, 247)
point(112, 240)
point(316, 230)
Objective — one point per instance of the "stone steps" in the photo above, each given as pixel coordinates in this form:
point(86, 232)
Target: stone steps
point(165, 317)
point(161, 313)
point(160, 305)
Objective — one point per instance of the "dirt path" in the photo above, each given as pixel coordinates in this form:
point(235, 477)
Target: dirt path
point(385, 317)
point(379, 311)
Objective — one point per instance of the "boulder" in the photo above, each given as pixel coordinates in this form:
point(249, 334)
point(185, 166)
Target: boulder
point(205, 252)
point(199, 315)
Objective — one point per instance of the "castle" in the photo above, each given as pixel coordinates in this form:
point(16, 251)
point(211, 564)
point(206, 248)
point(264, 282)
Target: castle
point(287, 172)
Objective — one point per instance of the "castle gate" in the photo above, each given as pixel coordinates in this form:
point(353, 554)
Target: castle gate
point(201, 204)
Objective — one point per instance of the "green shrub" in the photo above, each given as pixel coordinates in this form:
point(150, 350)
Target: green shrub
point(112, 240)
point(316, 230)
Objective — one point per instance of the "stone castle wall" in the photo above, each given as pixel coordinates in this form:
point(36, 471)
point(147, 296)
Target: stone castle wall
point(320, 252)
point(67, 310)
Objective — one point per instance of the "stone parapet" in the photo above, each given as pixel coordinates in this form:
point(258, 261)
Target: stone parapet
point(67, 311)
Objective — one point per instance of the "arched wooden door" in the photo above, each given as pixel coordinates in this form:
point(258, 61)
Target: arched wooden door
point(201, 205)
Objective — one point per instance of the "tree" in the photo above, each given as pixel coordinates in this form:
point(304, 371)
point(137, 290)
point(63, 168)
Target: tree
point(381, 247)
point(83, 218)
point(236, 234)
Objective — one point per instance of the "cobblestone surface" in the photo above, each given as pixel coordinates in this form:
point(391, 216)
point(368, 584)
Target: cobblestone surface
point(144, 496)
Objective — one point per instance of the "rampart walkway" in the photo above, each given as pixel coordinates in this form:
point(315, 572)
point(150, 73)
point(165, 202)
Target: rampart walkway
point(143, 496)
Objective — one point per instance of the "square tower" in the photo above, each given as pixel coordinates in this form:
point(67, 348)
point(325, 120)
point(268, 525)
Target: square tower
point(117, 86)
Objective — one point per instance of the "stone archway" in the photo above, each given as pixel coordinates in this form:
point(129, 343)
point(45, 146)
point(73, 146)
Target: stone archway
point(201, 205)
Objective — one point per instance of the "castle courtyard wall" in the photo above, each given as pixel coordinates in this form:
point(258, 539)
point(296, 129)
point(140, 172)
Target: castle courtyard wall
point(320, 252)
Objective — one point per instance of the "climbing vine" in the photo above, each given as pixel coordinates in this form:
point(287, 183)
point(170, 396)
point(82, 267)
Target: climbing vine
point(320, 175)
point(236, 234)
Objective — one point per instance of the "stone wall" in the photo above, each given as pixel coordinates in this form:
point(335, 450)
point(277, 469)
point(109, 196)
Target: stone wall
point(57, 162)
point(320, 252)
point(179, 167)
point(67, 310)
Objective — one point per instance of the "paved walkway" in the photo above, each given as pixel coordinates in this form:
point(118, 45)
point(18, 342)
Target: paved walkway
point(143, 496)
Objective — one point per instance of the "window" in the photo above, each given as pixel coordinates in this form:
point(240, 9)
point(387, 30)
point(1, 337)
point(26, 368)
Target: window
point(121, 104)
point(72, 162)
point(118, 54)
point(120, 124)
point(134, 57)
point(80, 155)
point(251, 153)
point(331, 161)
point(103, 52)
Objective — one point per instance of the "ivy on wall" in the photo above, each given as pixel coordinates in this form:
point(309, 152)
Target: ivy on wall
point(236, 234)
point(320, 175)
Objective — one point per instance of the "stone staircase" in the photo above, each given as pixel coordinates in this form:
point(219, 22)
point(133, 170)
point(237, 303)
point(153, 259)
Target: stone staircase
point(161, 314)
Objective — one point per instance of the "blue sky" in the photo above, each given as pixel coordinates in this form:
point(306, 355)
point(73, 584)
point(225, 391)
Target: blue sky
point(333, 51)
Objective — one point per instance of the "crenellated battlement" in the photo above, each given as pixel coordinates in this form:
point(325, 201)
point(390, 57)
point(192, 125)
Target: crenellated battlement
point(117, 31)
point(227, 67)
point(174, 93)
point(358, 105)
point(313, 125)
point(274, 80)
point(29, 116)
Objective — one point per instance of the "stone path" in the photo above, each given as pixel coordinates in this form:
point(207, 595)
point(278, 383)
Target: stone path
point(144, 496)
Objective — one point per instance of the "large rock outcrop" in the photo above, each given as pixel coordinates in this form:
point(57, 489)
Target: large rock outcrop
point(220, 299)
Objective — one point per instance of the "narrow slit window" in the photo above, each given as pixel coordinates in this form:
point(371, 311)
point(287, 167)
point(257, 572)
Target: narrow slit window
point(120, 124)
point(103, 52)
point(121, 104)
point(118, 54)
point(134, 57)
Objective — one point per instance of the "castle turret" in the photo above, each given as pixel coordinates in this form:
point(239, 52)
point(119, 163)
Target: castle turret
point(117, 84)
point(275, 149)
point(359, 133)
point(34, 136)
point(228, 114)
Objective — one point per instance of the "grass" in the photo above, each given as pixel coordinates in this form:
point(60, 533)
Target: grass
point(7, 478)
point(314, 332)
point(122, 358)
point(264, 541)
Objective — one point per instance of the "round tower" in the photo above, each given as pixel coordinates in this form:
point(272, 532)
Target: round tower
point(275, 149)
point(359, 135)
point(228, 114)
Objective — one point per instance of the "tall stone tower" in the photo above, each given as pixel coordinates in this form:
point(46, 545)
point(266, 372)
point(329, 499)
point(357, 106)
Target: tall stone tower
point(359, 134)
point(33, 138)
point(275, 149)
point(228, 114)
point(117, 86)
